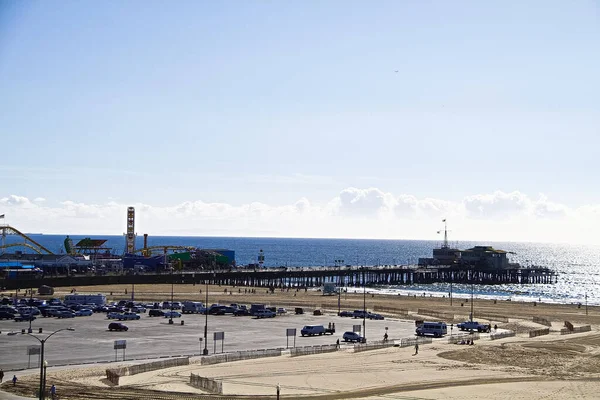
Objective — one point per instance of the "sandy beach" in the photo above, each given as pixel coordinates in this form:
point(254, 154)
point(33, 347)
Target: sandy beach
point(548, 366)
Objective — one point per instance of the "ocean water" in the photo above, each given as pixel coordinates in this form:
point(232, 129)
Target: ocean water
point(577, 266)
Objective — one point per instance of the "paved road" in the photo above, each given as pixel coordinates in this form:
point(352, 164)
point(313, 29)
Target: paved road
point(150, 337)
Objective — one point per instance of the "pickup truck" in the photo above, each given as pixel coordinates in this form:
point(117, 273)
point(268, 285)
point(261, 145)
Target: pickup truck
point(474, 325)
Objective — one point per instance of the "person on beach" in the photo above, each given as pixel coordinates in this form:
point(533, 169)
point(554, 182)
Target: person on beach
point(1, 375)
point(385, 337)
point(14, 379)
point(53, 391)
point(416, 348)
point(337, 343)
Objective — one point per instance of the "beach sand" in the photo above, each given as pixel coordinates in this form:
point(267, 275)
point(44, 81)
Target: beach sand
point(548, 366)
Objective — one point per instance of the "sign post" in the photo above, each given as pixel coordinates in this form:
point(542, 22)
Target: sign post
point(290, 332)
point(120, 344)
point(218, 336)
point(32, 350)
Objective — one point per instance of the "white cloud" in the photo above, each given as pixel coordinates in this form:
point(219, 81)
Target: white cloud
point(355, 212)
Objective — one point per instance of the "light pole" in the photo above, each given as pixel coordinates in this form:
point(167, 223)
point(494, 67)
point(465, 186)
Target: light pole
point(43, 362)
point(364, 306)
point(205, 351)
point(171, 314)
point(472, 290)
point(339, 263)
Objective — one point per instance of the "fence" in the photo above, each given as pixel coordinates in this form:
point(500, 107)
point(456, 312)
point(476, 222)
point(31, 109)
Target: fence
point(408, 342)
point(239, 355)
point(114, 374)
point(539, 332)
point(307, 350)
point(210, 385)
point(501, 335)
point(541, 321)
point(436, 314)
point(493, 317)
point(567, 331)
point(391, 310)
point(453, 339)
point(374, 345)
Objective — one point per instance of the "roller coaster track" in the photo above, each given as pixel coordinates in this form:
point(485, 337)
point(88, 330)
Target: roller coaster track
point(35, 246)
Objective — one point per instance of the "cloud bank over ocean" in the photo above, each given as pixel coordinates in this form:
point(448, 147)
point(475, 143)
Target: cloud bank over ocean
point(352, 213)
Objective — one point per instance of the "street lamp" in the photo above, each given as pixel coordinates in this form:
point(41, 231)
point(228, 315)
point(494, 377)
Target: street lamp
point(364, 306)
point(472, 290)
point(43, 363)
point(205, 351)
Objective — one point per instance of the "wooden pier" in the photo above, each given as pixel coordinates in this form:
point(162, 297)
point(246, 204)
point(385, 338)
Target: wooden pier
point(308, 277)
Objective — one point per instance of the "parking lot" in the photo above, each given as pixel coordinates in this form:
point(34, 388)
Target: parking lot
point(152, 337)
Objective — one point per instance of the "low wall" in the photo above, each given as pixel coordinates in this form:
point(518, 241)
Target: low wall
point(436, 314)
point(114, 374)
point(210, 385)
point(541, 321)
point(578, 329)
point(239, 355)
point(307, 350)
point(539, 332)
point(502, 335)
point(377, 344)
point(391, 310)
point(453, 339)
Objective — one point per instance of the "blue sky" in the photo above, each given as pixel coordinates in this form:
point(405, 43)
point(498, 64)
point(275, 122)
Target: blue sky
point(204, 112)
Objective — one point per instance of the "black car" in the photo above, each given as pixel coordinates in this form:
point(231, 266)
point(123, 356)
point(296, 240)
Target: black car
point(346, 314)
point(117, 326)
point(241, 312)
point(156, 313)
point(6, 315)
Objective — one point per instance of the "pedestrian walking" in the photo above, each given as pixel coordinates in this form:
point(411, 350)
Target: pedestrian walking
point(416, 348)
point(337, 343)
point(14, 379)
point(1, 375)
point(53, 391)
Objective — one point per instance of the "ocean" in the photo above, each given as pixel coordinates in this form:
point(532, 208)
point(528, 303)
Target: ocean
point(577, 266)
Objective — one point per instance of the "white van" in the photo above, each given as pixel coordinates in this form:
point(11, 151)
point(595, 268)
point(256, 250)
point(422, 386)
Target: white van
point(310, 330)
point(437, 329)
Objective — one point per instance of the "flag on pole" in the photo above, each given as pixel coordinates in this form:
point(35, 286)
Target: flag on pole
point(2, 216)
point(444, 220)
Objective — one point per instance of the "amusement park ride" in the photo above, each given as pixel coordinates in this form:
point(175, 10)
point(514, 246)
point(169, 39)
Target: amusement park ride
point(88, 247)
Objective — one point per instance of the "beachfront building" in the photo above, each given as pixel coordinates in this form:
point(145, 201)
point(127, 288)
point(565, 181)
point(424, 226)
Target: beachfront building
point(485, 257)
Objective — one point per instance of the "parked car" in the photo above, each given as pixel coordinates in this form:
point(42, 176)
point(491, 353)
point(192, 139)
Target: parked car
point(156, 313)
point(346, 314)
point(375, 316)
point(6, 315)
point(352, 337)
point(65, 314)
point(281, 310)
point(84, 312)
point(264, 314)
point(241, 312)
point(113, 315)
point(172, 314)
point(360, 314)
point(128, 316)
point(24, 317)
point(117, 326)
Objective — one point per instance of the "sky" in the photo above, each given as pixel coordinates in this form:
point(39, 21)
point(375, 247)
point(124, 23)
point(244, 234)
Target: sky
point(345, 119)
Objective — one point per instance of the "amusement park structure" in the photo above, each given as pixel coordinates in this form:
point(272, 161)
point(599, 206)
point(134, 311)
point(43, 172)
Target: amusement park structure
point(27, 241)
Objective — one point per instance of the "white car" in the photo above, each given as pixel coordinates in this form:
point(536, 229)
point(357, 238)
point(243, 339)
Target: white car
point(128, 316)
point(172, 314)
point(281, 310)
